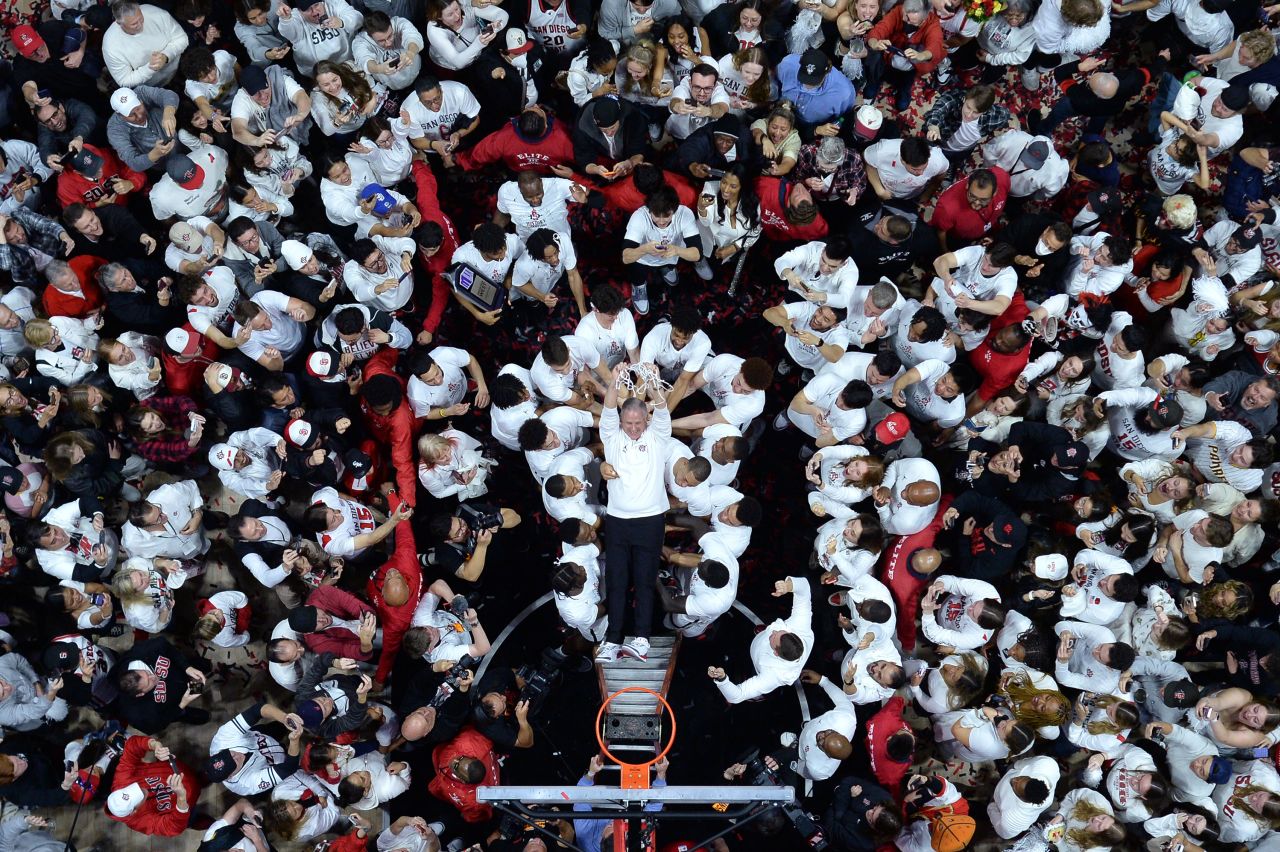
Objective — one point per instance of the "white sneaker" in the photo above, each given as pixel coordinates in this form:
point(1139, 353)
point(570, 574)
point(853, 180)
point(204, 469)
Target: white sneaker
point(704, 270)
point(640, 298)
point(780, 423)
point(637, 647)
point(670, 276)
point(1031, 79)
point(607, 652)
point(944, 71)
point(787, 740)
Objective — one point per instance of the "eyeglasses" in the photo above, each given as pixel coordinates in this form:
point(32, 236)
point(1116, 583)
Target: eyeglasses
point(710, 88)
point(980, 200)
point(7, 400)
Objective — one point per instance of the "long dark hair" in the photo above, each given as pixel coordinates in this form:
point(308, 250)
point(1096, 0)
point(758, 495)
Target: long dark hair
point(1141, 525)
point(748, 201)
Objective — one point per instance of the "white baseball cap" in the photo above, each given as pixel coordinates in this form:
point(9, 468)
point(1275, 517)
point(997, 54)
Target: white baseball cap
point(1051, 567)
point(223, 456)
point(298, 432)
point(126, 800)
point(124, 101)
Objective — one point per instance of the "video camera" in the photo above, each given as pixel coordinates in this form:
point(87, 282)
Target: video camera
point(480, 516)
point(540, 679)
point(759, 775)
point(450, 685)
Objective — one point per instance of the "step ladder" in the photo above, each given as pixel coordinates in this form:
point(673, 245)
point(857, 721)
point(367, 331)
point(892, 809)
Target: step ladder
point(633, 722)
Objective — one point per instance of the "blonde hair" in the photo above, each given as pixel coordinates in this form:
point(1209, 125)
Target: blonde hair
point(1086, 839)
point(1180, 210)
point(1126, 716)
point(122, 586)
point(208, 625)
point(38, 332)
point(430, 445)
point(1261, 43)
point(644, 53)
point(1082, 13)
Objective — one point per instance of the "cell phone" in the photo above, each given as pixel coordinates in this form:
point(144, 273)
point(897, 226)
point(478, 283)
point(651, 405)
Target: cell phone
point(394, 61)
point(196, 687)
point(716, 173)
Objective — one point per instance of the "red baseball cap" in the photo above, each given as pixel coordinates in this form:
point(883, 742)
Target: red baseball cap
point(27, 40)
point(892, 429)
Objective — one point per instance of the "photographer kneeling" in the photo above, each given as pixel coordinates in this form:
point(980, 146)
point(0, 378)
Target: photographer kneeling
point(500, 714)
point(464, 537)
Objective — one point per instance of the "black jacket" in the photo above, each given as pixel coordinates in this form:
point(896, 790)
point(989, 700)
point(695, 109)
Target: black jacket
point(1023, 233)
point(121, 236)
point(700, 147)
point(314, 676)
point(41, 785)
point(846, 819)
point(976, 555)
point(98, 477)
point(1085, 102)
point(888, 259)
point(156, 710)
point(588, 142)
point(504, 96)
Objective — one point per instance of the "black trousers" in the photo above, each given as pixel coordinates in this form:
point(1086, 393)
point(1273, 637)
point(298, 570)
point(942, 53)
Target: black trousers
point(633, 549)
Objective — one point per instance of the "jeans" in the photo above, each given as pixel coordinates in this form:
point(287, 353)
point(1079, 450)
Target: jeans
point(633, 548)
point(1062, 110)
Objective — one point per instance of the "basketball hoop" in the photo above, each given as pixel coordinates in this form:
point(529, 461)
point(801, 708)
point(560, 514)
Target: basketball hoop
point(635, 776)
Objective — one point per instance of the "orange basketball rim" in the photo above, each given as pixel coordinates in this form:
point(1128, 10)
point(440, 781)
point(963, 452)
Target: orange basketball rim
point(635, 776)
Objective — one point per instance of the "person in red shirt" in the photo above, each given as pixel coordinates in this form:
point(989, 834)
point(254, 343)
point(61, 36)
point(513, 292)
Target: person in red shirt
point(462, 765)
point(1004, 354)
point(152, 796)
point(533, 140)
point(437, 240)
point(95, 177)
point(891, 745)
point(627, 195)
point(390, 419)
point(901, 54)
point(73, 289)
point(186, 356)
point(967, 210)
point(787, 211)
point(315, 620)
point(908, 564)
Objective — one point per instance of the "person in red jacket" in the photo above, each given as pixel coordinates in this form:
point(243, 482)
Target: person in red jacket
point(152, 796)
point(891, 745)
point(902, 55)
point(390, 419)
point(1004, 354)
point(95, 177)
point(462, 765)
point(316, 622)
point(437, 240)
point(627, 195)
point(787, 211)
point(908, 564)
point(73, 289)
point(186, 357)
point(532, 140)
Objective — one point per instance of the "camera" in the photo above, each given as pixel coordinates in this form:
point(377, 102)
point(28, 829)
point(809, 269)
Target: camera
point(451, 678)
point(540, 679)
point(759, 775)
point(480, 516)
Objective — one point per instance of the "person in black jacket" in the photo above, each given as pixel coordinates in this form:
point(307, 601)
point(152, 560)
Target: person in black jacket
point(108, 232)
point(503, 71)
point(707, 148)
point(985, 536)
point(316, 704)
point(1043, 246)
point(611, 136)
point(158, 685)
point(139, 299)
point(891, 242)
point(862, 816)
point(87, 463)
point(229, 399)
point(1039, 462)
point(28, 406)
point(1251, 654)
point(1101, 96)
point(31, 773)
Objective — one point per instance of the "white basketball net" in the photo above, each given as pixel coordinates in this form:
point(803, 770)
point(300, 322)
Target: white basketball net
point(639, 378)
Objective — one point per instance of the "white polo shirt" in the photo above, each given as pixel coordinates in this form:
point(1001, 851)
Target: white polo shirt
point(739, 409)
point(285, 334)
point(656, 348)
point(559, 387)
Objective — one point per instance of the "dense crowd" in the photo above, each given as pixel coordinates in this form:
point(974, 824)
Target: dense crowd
point(942, 334)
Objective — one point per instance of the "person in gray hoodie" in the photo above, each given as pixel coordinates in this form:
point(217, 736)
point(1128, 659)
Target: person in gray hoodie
point(26, 833)
point(616, 18)
point(26, 703)
point(319, 29)
point(143, 125)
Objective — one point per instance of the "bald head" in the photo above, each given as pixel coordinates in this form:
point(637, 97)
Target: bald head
point(926, 560)
point(395, 589)
point(418, 724)
point(922, 493)
point(836, 745)
point(1104, 84)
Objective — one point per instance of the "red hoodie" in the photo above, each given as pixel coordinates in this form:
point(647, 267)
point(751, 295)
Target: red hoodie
point(395, 620)
point(904, 584)
point(518, 152)
point(999, 369)
point(880, 728)
point(774, 193)
point(624, 196)
point(429, 206)
point(928, 36)
point(397, 429)
point(157, 815)
point(468, 743)
point(59, 304)
point(74, 187)
point(338, 640)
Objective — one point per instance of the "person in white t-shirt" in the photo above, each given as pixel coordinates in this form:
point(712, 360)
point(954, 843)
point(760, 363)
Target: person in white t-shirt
point(829, 409)
point(570, 489)
point(269, 327)
point(736, 386)
point(723, 445)
point(380, 272)
point(815, 335)
point(345, 527)
point(1023, 794)
point(579, 592)
point(697, 101)
point(976, 278)
point(532, 201)
point(562, 372)
point(659, 235)
point(441, 114)
point(821, 272)
point(873, 311)
point(686, 478)
point(548, 257)
point(514, 402)
point(933, 392)
point(211, 299)
point(493, 253)
point(1118, 359)
point(438, 382)
point(921, 335)
point(678, 348)
point(609, 328)
point(707, 586)
point(543, 439)
point(904, 168)
point(1190, 549)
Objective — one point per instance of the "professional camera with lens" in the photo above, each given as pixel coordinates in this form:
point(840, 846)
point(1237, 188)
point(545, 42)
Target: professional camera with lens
point(759, 775)
point(480, 516)
point(539, 680)
point(451, 678)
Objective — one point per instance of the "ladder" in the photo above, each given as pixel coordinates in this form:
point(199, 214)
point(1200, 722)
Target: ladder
point(633, 722)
